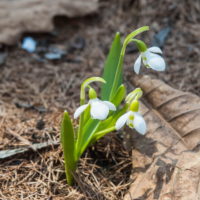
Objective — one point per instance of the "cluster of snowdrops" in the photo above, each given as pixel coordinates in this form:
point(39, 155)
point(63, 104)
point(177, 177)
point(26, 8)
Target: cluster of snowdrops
point(106, 112)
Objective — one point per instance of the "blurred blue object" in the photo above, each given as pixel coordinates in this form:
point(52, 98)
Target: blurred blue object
point(161, 37)
point(29, 44)
point(53, 56)
point(54, 53)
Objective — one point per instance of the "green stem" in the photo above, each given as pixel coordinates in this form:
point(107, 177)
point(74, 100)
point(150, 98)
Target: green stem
point(100, 134)
point(82, 101)
point(118, 72)
point(121, 58)
point(135, 33)
point(70, 173)
point(84, 85)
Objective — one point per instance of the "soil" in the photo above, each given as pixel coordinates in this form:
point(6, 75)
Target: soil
point(35, 91)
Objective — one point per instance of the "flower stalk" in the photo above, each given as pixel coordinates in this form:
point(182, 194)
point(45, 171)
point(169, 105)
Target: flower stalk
point(127, 40)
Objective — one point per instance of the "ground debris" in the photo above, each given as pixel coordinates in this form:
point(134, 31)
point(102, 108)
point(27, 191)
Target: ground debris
point(55, 86)
point(42, 175)
point(6, 154)
point(78, 44)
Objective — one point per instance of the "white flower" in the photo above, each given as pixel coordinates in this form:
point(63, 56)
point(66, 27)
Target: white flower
point(99, 109)
point(150, 59)
point(133, 120)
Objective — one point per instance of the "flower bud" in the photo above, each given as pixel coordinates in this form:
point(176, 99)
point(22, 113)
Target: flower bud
point(140, 45)
point(134, 106)
point(92, 93)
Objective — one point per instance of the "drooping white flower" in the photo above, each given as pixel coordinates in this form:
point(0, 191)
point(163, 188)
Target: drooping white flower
point(99, 109)
point(150, 59)
point(133, 120)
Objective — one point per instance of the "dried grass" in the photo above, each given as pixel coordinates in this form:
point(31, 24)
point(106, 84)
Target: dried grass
point(104, 170)
point(103, 173)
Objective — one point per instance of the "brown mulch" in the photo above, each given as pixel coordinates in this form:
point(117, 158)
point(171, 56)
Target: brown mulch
point(41, 175)
point(33, 95)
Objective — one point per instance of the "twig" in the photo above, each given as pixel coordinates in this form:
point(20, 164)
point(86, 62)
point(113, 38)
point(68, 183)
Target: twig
point(5, 154)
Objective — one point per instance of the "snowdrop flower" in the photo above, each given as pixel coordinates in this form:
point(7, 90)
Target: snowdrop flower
point(150, 59)
point(99, 109)
point(132, 119)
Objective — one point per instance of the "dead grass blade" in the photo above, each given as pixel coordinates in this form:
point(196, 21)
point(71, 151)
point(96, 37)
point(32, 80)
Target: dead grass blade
point(6, 154)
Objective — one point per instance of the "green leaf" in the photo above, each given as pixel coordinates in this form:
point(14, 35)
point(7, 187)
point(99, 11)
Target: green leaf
point(88, 131)
point(119, 96)
point(100, 134)
point(110, 68)
point(67, 141)
point(86, 114)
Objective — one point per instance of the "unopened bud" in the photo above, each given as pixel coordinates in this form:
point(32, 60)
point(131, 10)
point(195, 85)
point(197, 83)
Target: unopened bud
point(134, 106)
point(92, 93)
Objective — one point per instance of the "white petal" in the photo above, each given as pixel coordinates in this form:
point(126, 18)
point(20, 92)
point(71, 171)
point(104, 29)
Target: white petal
point(79, 110)
point(155, 50)
point(99, 110)
point(93, 100)
point(139, 123)
point(137, 65)
point(156, 62)
point(110, 105)
point(122, 120)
